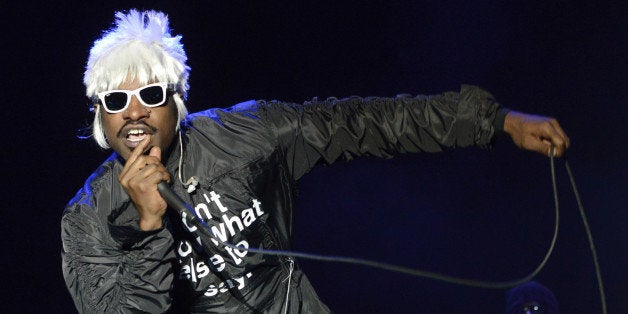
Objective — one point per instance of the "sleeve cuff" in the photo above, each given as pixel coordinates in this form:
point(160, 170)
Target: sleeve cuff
point(500, 117)
point(124, 227)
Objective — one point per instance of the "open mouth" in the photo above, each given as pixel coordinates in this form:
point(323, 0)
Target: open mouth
point(135, 135)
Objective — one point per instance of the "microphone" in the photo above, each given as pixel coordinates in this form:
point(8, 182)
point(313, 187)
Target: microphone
point(171, 198)
point(185, 211)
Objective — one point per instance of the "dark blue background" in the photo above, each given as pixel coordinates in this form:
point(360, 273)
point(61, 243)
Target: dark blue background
point(481, 214)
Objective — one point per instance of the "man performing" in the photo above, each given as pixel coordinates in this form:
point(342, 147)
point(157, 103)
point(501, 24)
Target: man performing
point(125, 251)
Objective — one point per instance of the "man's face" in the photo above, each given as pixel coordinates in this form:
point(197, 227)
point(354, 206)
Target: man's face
point(126, 129)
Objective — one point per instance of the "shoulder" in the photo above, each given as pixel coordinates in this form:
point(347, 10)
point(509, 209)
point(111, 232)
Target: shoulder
point(238, 120)
point(216, 114)
point(96, 185)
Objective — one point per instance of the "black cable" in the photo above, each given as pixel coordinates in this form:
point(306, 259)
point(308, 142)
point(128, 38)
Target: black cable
point(190, 215)
point(427, 274)
point(590, 237)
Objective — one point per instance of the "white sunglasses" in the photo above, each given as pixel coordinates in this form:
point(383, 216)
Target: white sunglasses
point(152, 95)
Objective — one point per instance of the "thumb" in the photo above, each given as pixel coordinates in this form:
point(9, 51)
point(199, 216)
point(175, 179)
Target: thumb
point(155, 151)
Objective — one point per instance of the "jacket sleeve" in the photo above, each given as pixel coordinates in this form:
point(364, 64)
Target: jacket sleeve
point(346, 128)
point(110, 268)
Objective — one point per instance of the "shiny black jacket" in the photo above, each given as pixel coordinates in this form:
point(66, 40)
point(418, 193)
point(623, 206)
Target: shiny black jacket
point(247, 160)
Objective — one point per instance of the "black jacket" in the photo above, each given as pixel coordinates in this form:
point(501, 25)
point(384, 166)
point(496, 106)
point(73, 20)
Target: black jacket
point(247, 160)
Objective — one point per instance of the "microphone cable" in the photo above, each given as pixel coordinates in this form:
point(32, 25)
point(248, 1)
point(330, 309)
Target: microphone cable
point(585, 222)
point(188, 214)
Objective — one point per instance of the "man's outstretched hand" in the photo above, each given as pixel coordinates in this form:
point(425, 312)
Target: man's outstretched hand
point(536, 133)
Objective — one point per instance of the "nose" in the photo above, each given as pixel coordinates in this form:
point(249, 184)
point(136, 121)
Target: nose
point(136, 111)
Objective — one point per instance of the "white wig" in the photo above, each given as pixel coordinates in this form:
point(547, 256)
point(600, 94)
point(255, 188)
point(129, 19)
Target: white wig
point(139, 47)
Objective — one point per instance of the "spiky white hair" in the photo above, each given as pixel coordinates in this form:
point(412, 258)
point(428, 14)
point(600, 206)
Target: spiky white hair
point(139, 47)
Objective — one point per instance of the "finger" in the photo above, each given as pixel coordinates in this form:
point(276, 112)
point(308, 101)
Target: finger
point(548, 148)
point(559, 151)
point(140, 167)
point(557, 139)
point(546, 131)
point(157, 171)
point(560, 131)
point(155, 151)
point(158, 177)
point(137, 152)
point(537, 144)
point(147, 164)
point(148, 178)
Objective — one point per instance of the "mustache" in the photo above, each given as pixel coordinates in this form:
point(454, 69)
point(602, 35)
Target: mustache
point(135, 123)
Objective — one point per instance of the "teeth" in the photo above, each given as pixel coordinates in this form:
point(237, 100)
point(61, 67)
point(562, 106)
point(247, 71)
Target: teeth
point(135, 132)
